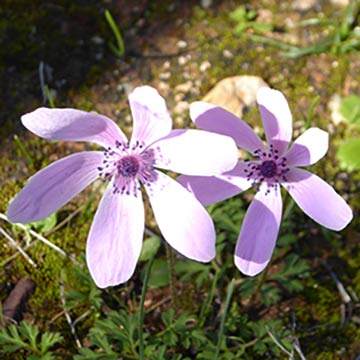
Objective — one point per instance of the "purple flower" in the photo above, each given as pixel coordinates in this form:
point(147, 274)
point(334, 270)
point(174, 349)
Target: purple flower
point(115, 238)
point(271, 166)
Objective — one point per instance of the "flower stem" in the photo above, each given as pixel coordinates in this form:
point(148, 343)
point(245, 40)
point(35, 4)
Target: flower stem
point(141, 310)
point(255, 295)
point(172, 278)
point(223, 318)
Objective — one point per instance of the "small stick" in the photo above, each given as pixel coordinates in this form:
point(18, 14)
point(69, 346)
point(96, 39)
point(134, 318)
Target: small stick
point(42, 239)
point(18, 247)
point(68, 317)
point(343, 293)
point(275, 340)
point(13, 306)
point(294, 339)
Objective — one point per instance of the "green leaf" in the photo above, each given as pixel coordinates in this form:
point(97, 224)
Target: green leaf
point(159, 275)
point(168, 317)
point(46, 224)
point(350, 109)
point(150, 248)
point(348, 154)
point(286, 240)
point(10, 340)
point(240, 28)
point(238, 15)
point(31, 332)
point(261, 26)
point(48, 340)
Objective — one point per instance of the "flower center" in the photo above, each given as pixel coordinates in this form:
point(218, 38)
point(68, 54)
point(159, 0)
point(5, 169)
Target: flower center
point(268, 168)
point(128, 166)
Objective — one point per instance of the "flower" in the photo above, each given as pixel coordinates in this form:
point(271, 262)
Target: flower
point(272, 165)
point(115, 239)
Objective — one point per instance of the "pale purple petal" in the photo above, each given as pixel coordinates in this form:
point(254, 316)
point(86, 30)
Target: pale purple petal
point(182, 220)
point(211, 189)
point(308, 148)
point(115, 239)
point(259, 231)
point(196, 152)
point(276, 118)
point(218, 120)
point(318, 199)
point(151, 117)
point(53, 186)
point(73, 125)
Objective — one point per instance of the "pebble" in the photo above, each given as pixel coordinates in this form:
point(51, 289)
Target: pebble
point(236, 93)
point(228, 54)
point(341, 3)
point(303, 5)
point(205, 3)
point(181, 44)
point(204, 66)
point(334, 106)
point(184, 87)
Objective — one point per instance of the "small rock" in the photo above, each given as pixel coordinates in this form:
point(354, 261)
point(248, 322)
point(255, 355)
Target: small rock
point(163, 87)
point(205, 3)
point(235, 93)
point(340, 3)
point(182, 60)
point(204, 66)
point(97, 40)
point(303, 5)
point(228, 54)
point(185, 87)
point(165, 75)
point(334, 106)
point(181, 44)
point(181, 107)
point(166, 65)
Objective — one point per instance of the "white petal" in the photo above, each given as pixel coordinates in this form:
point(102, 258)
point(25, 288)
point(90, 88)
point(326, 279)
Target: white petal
point(73, 125)
point(308, 148)
point(196, 152)
point(151, 117)
point(211, 189)
point(54, 186)
point(183, 221)
point(259, 231)
point(276, 117)
point(318, 199)
point(115, 239)
point(218, 120)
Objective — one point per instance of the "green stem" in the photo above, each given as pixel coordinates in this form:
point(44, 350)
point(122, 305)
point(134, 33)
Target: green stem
point(172, 278)
point(210, 296)
point(141, 310)
point(120, 50)
point(24, 151)
point(223, 318)
point(255, 295)
point(310, 112)
point(49, 97)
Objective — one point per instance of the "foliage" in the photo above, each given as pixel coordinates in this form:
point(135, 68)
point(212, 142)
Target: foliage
point(349, 148)
point(119, 48)
point(343, 32)
point(259, 322)
point(246, 19)
point(27, 340)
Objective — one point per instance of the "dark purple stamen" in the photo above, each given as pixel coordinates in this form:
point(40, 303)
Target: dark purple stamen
point(128, 166)
point(268, 168)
